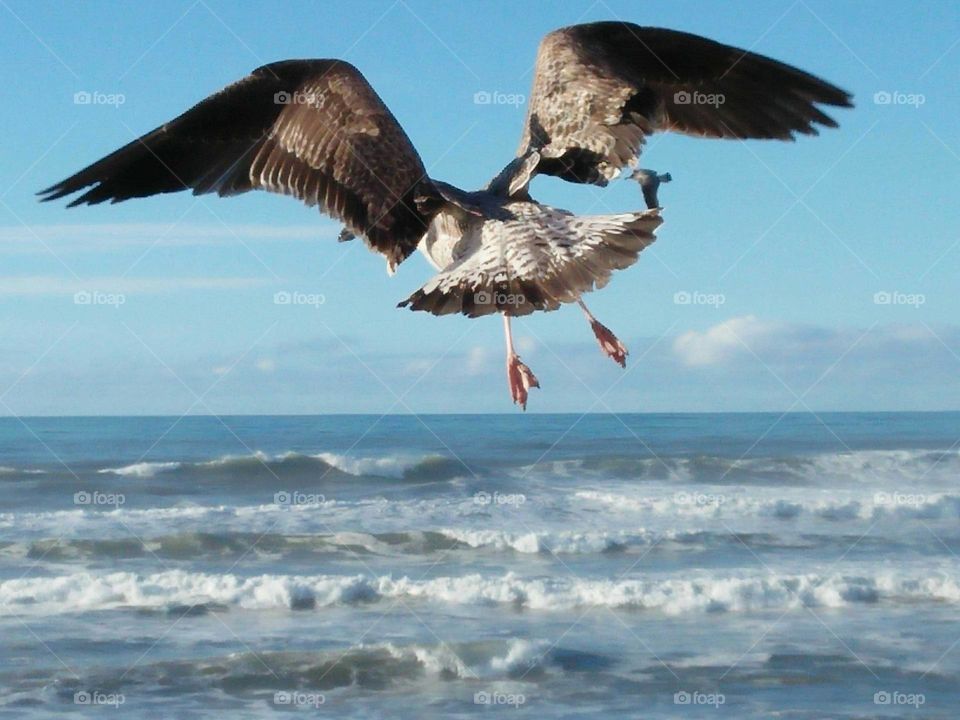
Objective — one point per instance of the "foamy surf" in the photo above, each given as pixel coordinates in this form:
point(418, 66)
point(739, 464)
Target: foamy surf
point(854, 466)
point(87, 591)
point(408, 467)
point(409, 565)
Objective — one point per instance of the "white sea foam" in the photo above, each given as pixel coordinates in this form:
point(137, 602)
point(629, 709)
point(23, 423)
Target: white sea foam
point(546, 541)
point(394, 466)
point(391, 466)
point(86, 591)
point(141, 469)
point(618, 520)
point(856, 466)
point(7, 470)
point(837, 506)
point(436, 661)
point(521, 654)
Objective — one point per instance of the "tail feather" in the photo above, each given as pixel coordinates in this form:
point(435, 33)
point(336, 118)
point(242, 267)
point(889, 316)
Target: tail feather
point(525, 266)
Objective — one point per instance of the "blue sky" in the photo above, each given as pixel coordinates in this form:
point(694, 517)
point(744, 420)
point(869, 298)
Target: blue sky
point(795, 239)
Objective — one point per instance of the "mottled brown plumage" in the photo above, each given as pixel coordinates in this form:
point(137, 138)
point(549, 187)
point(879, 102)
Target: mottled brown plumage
point(313, 129)
point(600, 88)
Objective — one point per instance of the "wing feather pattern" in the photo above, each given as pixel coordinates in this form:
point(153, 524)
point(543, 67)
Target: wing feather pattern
point(599, 89)
point(312, 129)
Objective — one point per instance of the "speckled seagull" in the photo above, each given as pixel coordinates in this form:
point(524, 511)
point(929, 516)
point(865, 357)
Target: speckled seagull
point(316, 130)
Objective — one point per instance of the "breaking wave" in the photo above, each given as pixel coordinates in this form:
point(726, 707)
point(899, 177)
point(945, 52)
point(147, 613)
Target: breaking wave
point(430, 467)
point(177, 589)
point(856, 465)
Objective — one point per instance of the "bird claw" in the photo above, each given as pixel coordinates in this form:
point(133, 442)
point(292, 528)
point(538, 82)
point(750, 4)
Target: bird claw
point(520, 378)
point(610, 344)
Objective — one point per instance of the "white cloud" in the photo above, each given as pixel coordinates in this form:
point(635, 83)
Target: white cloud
point(526, 345)
point(724, 340)
point(478, 360)
point(266, 365)
point(883, 367)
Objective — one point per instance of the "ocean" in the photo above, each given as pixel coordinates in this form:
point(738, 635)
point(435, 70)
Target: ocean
point(549, 566)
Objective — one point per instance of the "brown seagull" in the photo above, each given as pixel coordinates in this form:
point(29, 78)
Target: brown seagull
point(316, 130)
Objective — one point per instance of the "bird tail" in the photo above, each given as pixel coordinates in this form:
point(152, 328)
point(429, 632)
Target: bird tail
point(537, 263)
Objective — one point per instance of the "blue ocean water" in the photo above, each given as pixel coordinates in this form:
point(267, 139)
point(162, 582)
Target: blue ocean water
point(656, 566)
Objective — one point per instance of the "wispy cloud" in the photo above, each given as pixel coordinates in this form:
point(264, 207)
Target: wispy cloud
point(49, 285)
point(724, 340)
point(727, 343)
point(296, 370)
point(21, 239)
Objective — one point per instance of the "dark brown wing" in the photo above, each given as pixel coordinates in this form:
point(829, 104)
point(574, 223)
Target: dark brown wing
point(313, 129)
point(600, 88)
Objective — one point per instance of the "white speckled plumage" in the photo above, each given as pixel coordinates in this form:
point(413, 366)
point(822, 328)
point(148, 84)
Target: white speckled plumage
point(535, 259)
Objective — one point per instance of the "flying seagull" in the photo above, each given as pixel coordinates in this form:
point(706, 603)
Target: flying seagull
point(316, 130)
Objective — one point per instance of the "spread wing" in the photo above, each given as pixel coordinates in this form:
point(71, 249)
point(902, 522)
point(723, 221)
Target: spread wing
point(535, 261)
point(313, 129)
point(599, 89)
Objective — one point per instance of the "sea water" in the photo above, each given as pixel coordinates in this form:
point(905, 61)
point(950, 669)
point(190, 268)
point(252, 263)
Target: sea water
point(655, 566)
